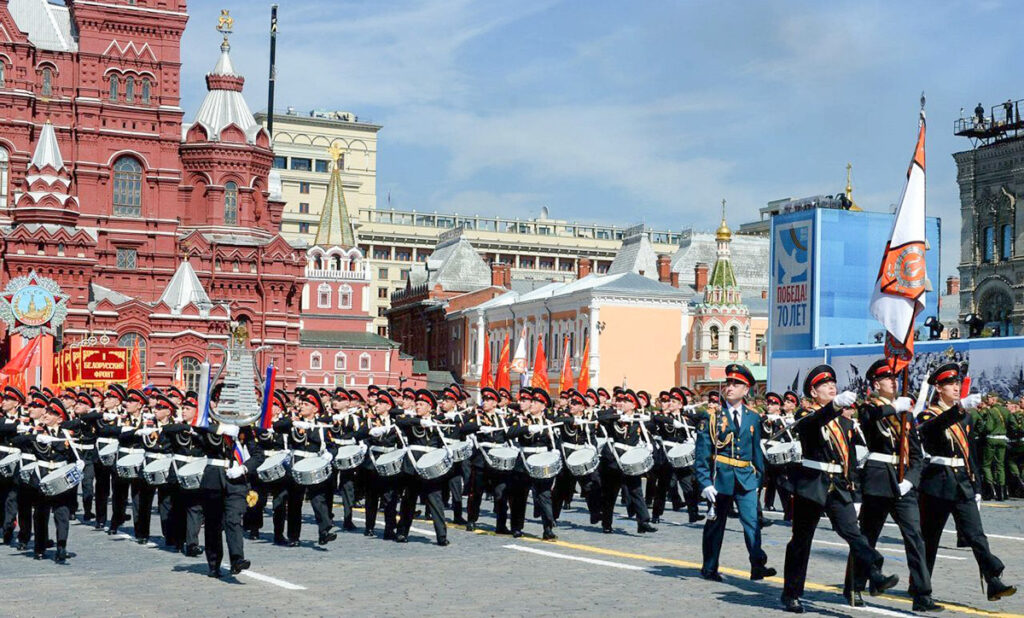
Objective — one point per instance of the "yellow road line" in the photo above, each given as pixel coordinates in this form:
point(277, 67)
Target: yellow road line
point(966, 609)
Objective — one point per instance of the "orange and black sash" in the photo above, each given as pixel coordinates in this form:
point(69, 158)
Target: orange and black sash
point(839, 443)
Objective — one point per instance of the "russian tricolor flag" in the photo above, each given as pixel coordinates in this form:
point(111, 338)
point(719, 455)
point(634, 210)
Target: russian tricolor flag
point(202, 418)
point(267, 413)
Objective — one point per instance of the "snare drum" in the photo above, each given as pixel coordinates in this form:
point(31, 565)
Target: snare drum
point(190, 476)
point(108, 454)
point(130, 466)
point(434, 464)
point(64, 478)
point(583, 461)
point(349, 457)
point(390, 463)
point(544, 465)
point(636, 461)
point(461, 450)
point(311, 470)
point(27, 472)
point(681, 455)
point(781, 453)
point(274, 467)
point(502, 458)
point(159, 472)
point(9, 465)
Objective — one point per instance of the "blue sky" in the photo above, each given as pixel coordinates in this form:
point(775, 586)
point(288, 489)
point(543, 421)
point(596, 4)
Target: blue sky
point(624, 112)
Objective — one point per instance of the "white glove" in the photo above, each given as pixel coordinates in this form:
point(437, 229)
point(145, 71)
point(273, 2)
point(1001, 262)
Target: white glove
point(377, 432)
point(109, 416)
point(643, 418)
point(45, 439)
point(690, 407)
point(80, 465)
point(905, 487)
point(302, 425)
point(710, 493)
point(677, 424)
point(127, 428)
point(24, 428)
point(236, 471)
point(534, 429)
point(902, 404)
point(148, 416)
point(971, 401)
point(227, 430)
point(845, 399)
point(856, 508)
point(338, 417)
point(977, 500)
point(450, 415)
point(145, 431)
point(426, 422)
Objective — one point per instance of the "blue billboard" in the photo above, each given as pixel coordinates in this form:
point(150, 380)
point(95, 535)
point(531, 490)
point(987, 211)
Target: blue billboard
point(824, 267)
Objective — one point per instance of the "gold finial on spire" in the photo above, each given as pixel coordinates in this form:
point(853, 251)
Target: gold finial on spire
point(723, 232)
point(849, 182)
point(335, 153)
point(224, 24)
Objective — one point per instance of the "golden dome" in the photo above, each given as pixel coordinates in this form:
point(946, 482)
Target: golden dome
point(723, 232)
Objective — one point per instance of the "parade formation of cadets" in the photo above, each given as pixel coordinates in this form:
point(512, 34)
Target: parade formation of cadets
point(825, 453)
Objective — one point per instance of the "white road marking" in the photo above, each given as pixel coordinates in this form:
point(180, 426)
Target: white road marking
point(888, 549)
point(551, 554)
point(272, 580)
point(416, 530)
point(988, 534)
point(866, 608)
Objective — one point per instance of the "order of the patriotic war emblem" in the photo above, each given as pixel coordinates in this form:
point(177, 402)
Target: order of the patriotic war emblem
point(32, 305)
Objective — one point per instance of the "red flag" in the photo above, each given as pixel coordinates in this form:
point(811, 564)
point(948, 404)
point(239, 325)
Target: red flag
point(135, 371)
point(565, 381)
point(584, 382)
point(486, 381)
point(23, 359)
point(540, 368)
point(502, 376)
point(902, 278)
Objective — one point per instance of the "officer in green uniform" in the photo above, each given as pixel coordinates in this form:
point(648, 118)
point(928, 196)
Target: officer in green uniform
point(996, 441)
point(979, 420)
point(1015, 449)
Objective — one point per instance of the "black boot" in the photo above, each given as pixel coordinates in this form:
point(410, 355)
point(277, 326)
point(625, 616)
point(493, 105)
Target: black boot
point(997, 589)
point(792, 605)
point(237, 566)
point(549, 535)
point(880, 583)
point(1001, 493)
point(986, 490)
point(61, 557)
point(924, 603)
point(645, 527)
point(760, 572)
point(855, 600)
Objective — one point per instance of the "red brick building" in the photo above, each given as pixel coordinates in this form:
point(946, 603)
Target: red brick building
point(157, 228)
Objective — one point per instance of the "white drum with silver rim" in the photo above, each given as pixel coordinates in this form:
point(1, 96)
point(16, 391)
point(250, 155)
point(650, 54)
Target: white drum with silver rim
point(274, 468)
point(680, 455)
point(434, 464)
point(461, 450)
point(108, 454)
point(159, 472)
point(544, 465)
point(502, 458)
point(636, 461)
point(349, 457)
point(64, 478)
point(311, 470)
point(782, 453)
point(28, 470)
point(583, 461)
point(9, 465)
point(190, 476)
point(390, 463)
point(130, 466)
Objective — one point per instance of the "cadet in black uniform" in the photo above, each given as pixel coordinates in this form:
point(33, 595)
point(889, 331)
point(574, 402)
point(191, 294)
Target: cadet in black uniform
point(492, 431)
point(107, 428)
point(129, 442)
point(83, 409)
point(950, 483)
point(186, 504)
point(421, 435)
point(890, 479)
point(378, 431)
point(304, 438)
point(824, 484)
point(272, 442)
point(577, 431)
point(13, 399)
point(533, 436)
point(622, 428)
point(157, 446)
point(672, 425)
point(344, 422)
point(448, 402)
point(28, 492)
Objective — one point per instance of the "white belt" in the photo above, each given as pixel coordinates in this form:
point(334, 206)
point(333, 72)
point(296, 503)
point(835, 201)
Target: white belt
point(106, 440)
point(220, 463)
point(345, 442)
point(28, 457)
point(952, 462)
point(575, 447)
point(85, 447)
point(383, 449)
point(186, 458)
point(421, 448)
point(152, 455)
point(51, 465)
point(9, 449)
point(272, 452)
point(884, 458)
point(302, 454)
point(1001, 438)
point(131, 451)
point(535, 449)
point(821, 466)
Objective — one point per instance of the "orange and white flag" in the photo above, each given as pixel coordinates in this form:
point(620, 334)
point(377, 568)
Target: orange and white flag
point(519, 359)
point(902, 278)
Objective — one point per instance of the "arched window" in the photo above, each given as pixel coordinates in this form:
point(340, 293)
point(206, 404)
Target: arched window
point(336, 262)
point(714, 338)
point(127, 187)
point(989, 240)
point(314, 360)
point(318, 263)
point(5, 162)
point(1006, 249)
point(128, 340)
point(186, 372)
point(734, 338)
point(115, 84)
point(340, 361)
point(2, 67)
point(231, 204)
point(129, 89)
point(323, 296)
point(145, 91)
point(364, 362)
point(47, 82)
point(345, 297)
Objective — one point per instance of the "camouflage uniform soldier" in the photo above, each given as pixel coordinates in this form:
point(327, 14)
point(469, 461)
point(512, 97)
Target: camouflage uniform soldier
point(1015, 451)
point(994, 454)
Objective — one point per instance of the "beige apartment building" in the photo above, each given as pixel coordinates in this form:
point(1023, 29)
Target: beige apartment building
point(541, 248)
